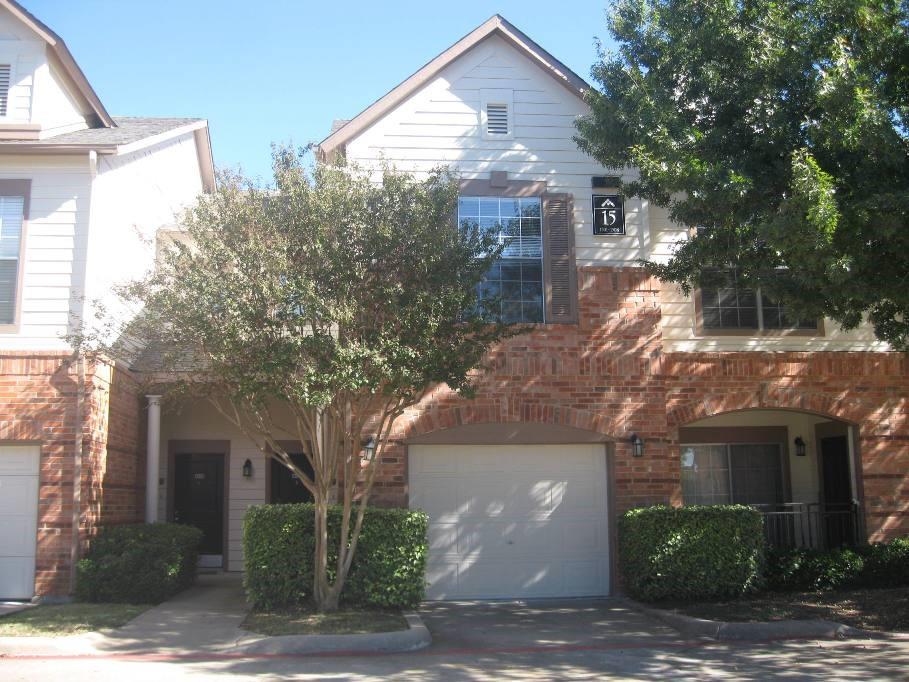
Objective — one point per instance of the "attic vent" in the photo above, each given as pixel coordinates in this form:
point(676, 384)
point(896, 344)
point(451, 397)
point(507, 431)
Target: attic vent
point(4, 87)
point(496, 119)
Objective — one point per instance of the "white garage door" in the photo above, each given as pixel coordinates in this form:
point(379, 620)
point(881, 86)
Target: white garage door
point(18, 520)
point(513, 521)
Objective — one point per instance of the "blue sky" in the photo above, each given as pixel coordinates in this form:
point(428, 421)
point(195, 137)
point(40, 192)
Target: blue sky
point(280, 70)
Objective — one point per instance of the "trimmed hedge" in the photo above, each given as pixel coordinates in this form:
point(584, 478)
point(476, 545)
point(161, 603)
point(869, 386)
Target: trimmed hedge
point(877, 565)
point(690, 553)
point(387, 571)
point(142, 563)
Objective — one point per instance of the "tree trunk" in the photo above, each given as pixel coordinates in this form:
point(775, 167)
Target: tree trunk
point(321, 589)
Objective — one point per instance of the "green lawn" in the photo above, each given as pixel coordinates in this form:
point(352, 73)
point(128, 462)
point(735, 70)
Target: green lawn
point(878, 609)
point(53, 620)
point(306, 622)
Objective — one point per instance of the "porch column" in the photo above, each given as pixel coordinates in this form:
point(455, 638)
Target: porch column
point(153, 452)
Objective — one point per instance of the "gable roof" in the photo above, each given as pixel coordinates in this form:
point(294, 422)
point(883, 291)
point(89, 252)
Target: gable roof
point(61, 51)
point(495, 25)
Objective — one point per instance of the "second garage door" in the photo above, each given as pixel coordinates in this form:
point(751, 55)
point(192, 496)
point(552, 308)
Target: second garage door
point(513, 521)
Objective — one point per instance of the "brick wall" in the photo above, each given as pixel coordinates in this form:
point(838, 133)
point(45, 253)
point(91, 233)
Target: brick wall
point(601, 375)
point(38, 405)
point(608, 375)
point(867, 390)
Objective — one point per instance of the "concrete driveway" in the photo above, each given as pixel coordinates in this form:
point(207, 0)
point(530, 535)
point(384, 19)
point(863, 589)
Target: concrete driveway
point(545, 640)
point(539, 624)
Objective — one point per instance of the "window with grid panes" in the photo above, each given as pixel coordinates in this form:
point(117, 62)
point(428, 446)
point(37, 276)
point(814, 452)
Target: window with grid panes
point(732, 306)
point(516, 279)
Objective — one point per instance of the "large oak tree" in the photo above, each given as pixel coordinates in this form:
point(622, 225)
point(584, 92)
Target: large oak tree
point(778, 126)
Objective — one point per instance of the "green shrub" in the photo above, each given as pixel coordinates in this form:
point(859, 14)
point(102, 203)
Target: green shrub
point(138, 563)
point(691, 552)
point(877, 565)
point(812, 569)
point(886, 565)
point(387, 571)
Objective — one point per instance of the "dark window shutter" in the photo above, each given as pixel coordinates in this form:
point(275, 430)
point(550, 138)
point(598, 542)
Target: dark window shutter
point(559, 273)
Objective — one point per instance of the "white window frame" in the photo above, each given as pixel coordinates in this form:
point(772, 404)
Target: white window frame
point(17, 188)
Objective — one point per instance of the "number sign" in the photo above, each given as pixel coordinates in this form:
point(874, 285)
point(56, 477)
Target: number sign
point(608, 214)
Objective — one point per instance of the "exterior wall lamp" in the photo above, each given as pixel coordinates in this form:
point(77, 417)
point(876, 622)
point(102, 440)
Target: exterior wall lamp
point(247, 469)
point(799, 446)
point(637, 445)
point(369, 447)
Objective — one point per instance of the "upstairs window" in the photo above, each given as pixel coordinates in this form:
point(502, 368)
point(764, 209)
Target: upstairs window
point(4, 88)
point(732, 308)
point(12, 218)
point(517, 278)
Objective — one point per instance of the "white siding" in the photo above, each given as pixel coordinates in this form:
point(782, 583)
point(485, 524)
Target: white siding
point(135, 195)
point(56, 107)
point(440, 125)
point(55, 246)
point(69, 265)
point(678, 317)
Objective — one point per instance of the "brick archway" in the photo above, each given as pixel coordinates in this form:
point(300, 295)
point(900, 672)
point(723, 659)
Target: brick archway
point(850, 411)
point(464, 415)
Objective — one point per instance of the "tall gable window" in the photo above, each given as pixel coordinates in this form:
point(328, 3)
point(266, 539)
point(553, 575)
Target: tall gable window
point(13, 213)
point(517, 278)
point(4, 88)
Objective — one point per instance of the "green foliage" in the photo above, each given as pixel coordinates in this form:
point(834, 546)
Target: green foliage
point(336, 282)
point(322, 307)
point(811, 569)
point(138, 564)
point(886, 564)
point(691, 552)
point(387, 571)
point(876, 565)
point(781, 126)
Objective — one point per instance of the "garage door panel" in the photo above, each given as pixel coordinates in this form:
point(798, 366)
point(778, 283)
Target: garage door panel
point(17, 493)
point(18, 460)
point(18, 577)
point(443, 538)
point(526, 521)
point(17, 536)
point(437, 495)
point(585, 576)
point(578, 495)
point(18, 520)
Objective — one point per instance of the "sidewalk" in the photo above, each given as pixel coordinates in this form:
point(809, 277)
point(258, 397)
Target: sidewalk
point(204, 619)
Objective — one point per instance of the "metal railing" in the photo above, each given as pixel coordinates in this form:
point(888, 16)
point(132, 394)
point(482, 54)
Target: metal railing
point(811, 525)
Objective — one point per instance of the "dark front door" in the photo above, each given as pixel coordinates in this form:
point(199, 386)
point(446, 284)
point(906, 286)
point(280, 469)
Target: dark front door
point(837, 510)
point(199, 497)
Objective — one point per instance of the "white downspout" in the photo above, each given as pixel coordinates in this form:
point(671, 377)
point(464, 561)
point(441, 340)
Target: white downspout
point(152, 458)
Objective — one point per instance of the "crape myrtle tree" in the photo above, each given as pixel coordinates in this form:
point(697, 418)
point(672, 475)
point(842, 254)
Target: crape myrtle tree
point(323, 308)
point(780, 128)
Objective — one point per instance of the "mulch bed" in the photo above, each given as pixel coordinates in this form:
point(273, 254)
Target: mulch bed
point(880, 609)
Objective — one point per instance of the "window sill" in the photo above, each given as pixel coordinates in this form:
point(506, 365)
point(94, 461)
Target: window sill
point(759, 333)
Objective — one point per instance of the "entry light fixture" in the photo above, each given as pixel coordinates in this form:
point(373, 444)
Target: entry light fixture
point(369, 447)
point(247, 469)
point(637, 445)
point(799, 446)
